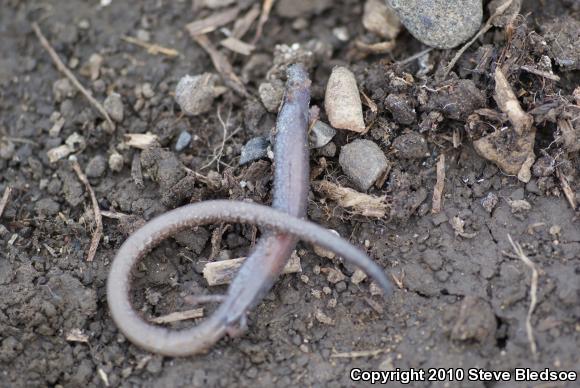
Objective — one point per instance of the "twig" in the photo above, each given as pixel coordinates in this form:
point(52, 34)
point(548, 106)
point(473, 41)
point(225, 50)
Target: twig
point(152, 48)
point(498, 12)
point(178, 316)
point(68, 74)
point(213, 22)
point(533, 292)
point(413, 57)
point(541, 73)
point(439, 186)
point(97, 212)
point(266, 8)
point(223, 272)
point(5, 198)
point(565, 187)
point(222, 65)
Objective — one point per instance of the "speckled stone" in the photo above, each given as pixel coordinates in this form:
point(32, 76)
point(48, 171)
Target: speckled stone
point(363, 162)
point(440, 23)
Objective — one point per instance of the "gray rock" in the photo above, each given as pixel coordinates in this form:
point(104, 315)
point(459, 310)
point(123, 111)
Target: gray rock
point(271, 94)
point(114, 107)
point(440, 23)
point(182, 141)
point(320, 134)
point(195, 94)
point(96, 167)
point(255, 149)
point(411, 145)
point(363, 162)
point(62, 89)
point(47, 207)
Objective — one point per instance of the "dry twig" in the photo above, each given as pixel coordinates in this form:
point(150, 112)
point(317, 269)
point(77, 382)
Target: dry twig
point(439, 186)
point(5, 198)
point(533, 292)
point(211, 23)
point(486, 27)
point(222, 272)
point(222, 65)
point(568, 192)
point(96, 211)
point(68, 74)
point(152, 48)
point(266, 8)
point(178, 316)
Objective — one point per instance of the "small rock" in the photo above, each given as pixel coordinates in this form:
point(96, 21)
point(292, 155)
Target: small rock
point(439, 219)
point(490, 202)
point(116, 162)
point(76, 142)
point(320, 134)
point(47, 207)
point(7, 149)
point(183, 141)
point(333, 275)
point(271, 94)
point(358, 276)
point(476, 321)
point(519, 205)
point(147, 90)
point(411, 145)
point(195, 94)
point(62, 89)
point(544, 166)
point(363, 162)
point(96, 167)
point(440, 23)
point(255, 149)
point(401, 109)
point(114, 107)
point(342, 101)
point(381, 20)
point(328, 150)
point(323, 318)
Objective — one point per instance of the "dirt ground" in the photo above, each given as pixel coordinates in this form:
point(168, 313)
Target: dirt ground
point(463, 294)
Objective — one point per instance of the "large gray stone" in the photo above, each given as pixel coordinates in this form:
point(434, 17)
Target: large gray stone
point(440, 23)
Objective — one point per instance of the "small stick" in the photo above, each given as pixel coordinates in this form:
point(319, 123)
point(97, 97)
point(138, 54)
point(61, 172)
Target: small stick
point(533, 292)
point(567, 189)
point(223, 272)
point(266, 8)
point(222, 65)
point(5, 198)
point(439, 186)
point(499, 11)
point(541, 73)
point(178, 316)
point(63, 69)
point(151, 48)
point(359, 353)
point(413, 57)
point(97, 212)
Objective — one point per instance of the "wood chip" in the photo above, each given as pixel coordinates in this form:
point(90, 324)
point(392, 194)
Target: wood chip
point(243, 24)
point(237, 46)
point(77, 335)
point(266, 9)
point(568, 193)
point(178, 316)
point(222, 272)
point(5, 199)
point(509, 104)
point(141, 141)
point(356, 202)
point(439, 186)
point(213, 22)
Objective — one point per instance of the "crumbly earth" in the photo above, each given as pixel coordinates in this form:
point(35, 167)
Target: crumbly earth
point(463, 294)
